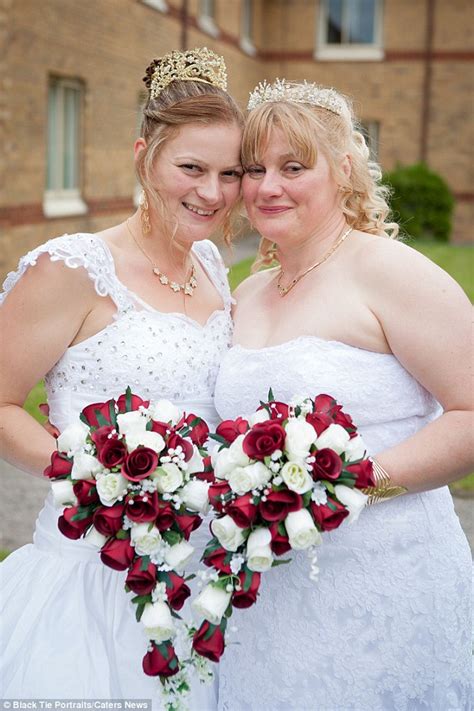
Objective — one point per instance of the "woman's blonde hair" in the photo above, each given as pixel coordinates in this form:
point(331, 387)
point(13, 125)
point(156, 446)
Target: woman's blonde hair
point(179, 104)
point(308, 129)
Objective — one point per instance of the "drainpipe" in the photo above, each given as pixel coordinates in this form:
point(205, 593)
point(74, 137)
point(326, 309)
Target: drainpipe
point(426, 96)
point(184, 25)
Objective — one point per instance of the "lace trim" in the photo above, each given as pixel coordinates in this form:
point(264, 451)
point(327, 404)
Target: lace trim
point(75, 251)
point(214, 264)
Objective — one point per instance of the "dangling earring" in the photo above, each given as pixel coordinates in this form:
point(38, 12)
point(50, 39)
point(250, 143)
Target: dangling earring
point(144, 214)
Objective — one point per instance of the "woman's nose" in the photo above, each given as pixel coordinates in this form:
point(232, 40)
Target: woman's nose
point(210, 189)
point(270, 184)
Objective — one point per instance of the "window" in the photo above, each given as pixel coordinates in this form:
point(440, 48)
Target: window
point(371, 131)
point(350, 29)
point(157, 4)
point(246, 28)
point(62, 195)
point(207, 17)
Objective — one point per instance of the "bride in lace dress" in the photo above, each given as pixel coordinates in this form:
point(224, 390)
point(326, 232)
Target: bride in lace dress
point(368, 320)
point(93, 314)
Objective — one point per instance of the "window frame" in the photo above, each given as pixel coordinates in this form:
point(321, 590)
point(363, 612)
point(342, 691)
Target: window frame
point(206, 19)
point(325, 51)
point(160, 5)
point(246, 28)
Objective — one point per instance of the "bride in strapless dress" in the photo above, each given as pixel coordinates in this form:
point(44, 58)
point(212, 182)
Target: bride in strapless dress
point(89, 313)
point(368, 320)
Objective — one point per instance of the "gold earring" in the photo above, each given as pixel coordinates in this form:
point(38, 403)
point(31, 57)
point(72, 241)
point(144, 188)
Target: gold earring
point(144, 214)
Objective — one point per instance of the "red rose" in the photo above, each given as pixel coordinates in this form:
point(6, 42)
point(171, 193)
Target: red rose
point(231, 429)
point(73, 529)
point(143, 508)
point(187, 524)
point(327, 465)
point(164, 517)
point(319, 421)
point(60, 466)
point(163, 428)
point(207, 473)
point(341, 418)
point(161, 663)
point(102, 409)
point(101, 435)
point(176, 590)
point(363, 472)
point(246, 597)
point(136, 402)
point(216, 560)
point(279, 504)
point(177, 441)
point(324, 404)
point(117, 553)
point(278, 410)
point(112, 453)
point(141, 582)
point(279, 543)
point(209, 641)
point(199, 432)
point(242, 510)
point(85, 491)
point(139, 463)
point(218, 489)
point(108, 519)
point(264, 439)
point(329, 516)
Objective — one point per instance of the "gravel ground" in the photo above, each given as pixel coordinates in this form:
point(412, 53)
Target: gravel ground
point(23, 497)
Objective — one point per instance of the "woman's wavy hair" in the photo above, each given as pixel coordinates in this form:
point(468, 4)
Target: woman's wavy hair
point(180, 104)
point(307, 128)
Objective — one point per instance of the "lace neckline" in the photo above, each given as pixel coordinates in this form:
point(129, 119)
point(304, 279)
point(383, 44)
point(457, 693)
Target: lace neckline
point(309, 337)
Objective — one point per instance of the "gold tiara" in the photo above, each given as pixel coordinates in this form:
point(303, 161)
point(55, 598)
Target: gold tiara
point(199, 64)
point(301, 93)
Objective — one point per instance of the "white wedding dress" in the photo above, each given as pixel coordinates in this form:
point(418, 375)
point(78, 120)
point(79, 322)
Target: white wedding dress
point(387, 626)
point(68, 627)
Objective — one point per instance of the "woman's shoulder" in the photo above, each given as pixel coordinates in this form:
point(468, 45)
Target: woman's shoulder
point(254, 282)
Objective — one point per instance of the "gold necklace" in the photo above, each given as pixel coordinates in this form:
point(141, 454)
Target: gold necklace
point(283, 290)
point(187, 288)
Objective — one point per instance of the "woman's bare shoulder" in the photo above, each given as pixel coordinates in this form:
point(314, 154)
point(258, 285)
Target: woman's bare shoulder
point(254, 283)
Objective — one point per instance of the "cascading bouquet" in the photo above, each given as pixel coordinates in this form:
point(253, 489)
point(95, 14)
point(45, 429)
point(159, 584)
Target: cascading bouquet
point(134, 479)
point(282, 477)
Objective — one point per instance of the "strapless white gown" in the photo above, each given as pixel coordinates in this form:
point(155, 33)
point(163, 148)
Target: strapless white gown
point(68, 627)
point(387, 627)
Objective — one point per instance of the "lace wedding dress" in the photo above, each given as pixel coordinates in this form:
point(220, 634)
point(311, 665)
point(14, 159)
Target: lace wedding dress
point(387, 626)
point(68, 627)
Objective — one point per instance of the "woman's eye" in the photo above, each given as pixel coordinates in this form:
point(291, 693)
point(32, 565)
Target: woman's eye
point(294, 167)
point(255, 171)
point(191, 167)
point(232, 174)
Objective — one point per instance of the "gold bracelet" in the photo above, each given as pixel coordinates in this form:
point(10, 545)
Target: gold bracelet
point(383, 489)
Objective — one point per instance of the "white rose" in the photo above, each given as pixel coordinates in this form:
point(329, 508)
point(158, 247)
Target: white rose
point(110, 487)
point(145, 541)
point(228, 459)
point(63, 493)
point(257, 417)
point(296, 477)
point(301, 530)
point(353, 499)
point(300, 435)
point(73, 438)
point(153, 440)
point(195, 495)
point(355, 449)
point(335, 437)
point(196, 463)
point(211, 603)
point(229, 535)
point(165, 411)
point(130, 423)
point(244, 479)
point(85, 466)
point(157, 621)
point(179, 555)
point(94, 537)
point(167, 478)
point(259, 552)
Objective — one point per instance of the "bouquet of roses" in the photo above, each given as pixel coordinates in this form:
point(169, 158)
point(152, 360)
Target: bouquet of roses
point(134, 479)
point(282, 477)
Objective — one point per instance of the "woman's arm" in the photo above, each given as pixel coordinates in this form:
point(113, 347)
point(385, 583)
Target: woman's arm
point(39, 319)
point(426, 318)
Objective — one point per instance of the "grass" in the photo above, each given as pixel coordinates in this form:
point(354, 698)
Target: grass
point(457, 260)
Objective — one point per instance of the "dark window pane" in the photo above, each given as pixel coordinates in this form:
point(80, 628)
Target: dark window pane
point(334, 20)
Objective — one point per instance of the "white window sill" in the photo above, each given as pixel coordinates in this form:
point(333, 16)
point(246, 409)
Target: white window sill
point(157, 5)
point(57, 204)
point(247, 46)
point(351, 53)
point(207, 25)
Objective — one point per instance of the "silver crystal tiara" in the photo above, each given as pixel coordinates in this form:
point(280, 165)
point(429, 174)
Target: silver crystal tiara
point(301, 93)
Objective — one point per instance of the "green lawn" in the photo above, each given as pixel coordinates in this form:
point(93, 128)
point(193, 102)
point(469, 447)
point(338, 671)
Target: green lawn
point(457, 260)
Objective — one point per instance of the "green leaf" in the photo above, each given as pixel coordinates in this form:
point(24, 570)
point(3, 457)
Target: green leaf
point(175, 614)
point(280, 562)
point(329, 485)
point(139, 612)
point(102, 421)
point(271, 396)
point(144, 562)
point(189, 577)
point(171, 537)
point(121, 535)
point(83, 419)
point(281, 528)
point(141, 599)
point(210, 632)
point(219, 438)
point(306, 499)
point(163, 577)
point(247, 579)
point(128, 399)
point(83, 512)
point(112, 413)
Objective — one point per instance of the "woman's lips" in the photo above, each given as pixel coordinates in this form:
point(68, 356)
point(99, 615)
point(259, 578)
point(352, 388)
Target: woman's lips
point(274, 210)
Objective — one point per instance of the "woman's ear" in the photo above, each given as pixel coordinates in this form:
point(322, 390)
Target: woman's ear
point(138, 147)
point(346, 165)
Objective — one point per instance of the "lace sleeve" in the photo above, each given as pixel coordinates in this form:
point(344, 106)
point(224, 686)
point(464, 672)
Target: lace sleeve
point(79, 250)
point(214, 264)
